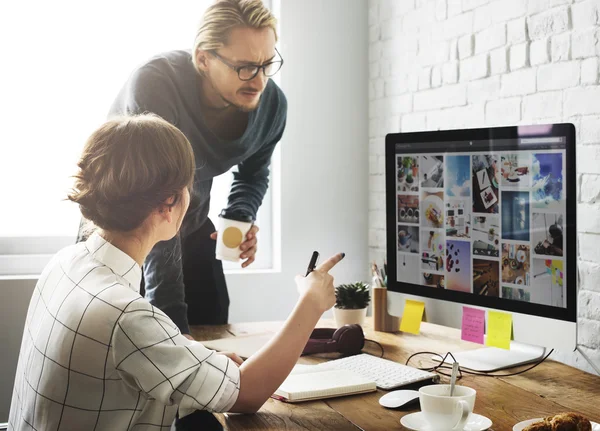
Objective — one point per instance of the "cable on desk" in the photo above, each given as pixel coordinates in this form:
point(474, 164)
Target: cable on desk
point(380, 346)
point(474, 373)
point(437, 367)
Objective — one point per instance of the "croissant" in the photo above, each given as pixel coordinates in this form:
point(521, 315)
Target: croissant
point(561, 422)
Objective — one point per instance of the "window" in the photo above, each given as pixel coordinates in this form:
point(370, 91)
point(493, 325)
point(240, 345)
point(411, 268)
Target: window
point(64, 63)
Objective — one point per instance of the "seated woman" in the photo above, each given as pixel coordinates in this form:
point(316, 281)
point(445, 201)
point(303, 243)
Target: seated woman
point(95, 354)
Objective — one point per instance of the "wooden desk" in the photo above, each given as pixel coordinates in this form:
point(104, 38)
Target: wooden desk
point(548, 389)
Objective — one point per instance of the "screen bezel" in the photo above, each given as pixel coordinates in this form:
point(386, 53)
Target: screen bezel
point(465, 135)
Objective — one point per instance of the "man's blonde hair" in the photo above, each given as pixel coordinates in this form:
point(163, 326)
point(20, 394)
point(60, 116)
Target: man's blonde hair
point(223, 16)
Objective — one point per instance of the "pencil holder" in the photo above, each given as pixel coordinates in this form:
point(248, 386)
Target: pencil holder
point(382, 321)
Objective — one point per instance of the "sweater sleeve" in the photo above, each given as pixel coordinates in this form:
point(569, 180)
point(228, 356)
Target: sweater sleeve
point(251, 181)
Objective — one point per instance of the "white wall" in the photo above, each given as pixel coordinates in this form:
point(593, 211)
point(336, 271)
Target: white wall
point(323, 170)
point(324, 159)
point(443, 64)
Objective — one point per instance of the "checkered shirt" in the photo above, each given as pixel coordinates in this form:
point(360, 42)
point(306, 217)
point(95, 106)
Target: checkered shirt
point(96, 355)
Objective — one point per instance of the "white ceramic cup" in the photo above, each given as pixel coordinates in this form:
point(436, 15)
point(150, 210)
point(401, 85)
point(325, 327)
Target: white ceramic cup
point(443, 412)
point(231, 233)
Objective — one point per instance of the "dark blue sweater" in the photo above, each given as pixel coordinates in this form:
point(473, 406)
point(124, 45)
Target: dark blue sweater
point(168, 85)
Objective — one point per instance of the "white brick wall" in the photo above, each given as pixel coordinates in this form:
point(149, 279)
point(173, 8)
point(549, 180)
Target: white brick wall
point(466, 44)
point(551, 22)
point(585, 14)
point(474, 68)
point(561, 47)
point(503, 111)
point(490, 38)
point(519, 83)
point(519, 56)
point(516, 31)
point(499, 61)
point(539, 52)
point(589, 71)
point(585, 43)
point(557, 76)
point(437, 64)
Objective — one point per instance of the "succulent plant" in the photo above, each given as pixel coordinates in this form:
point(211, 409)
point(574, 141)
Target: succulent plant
point(352, 296)
point(407, 162)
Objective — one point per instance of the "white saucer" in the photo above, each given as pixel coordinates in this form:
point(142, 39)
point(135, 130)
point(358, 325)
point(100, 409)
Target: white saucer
point(521, 425)
point(416, 422)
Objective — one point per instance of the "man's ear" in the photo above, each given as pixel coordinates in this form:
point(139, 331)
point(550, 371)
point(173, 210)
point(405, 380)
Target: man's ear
point(202, 59)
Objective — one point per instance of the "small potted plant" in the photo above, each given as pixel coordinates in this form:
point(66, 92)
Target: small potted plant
point(401, 174)
point(351, 303)
point(491, 234)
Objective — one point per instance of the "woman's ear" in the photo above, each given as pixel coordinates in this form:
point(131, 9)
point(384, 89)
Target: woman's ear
point(166, 209)
point(169, 213)
point(165, 212)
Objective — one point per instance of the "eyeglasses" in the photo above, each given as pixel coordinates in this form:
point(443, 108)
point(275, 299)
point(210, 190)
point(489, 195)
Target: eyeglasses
point(249, 71)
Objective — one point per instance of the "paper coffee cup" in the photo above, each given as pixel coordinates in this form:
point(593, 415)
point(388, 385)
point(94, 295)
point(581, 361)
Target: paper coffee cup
point(232, 228)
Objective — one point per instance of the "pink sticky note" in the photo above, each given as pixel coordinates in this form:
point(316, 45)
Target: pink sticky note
point(473, 325)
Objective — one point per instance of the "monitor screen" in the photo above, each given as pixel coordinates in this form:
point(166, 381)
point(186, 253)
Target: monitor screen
point(484, 217)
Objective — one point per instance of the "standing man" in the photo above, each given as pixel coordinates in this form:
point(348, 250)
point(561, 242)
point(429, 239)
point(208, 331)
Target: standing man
point(220, 96)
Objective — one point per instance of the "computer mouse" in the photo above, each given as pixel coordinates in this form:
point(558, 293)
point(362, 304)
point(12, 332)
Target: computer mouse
point(401, 398)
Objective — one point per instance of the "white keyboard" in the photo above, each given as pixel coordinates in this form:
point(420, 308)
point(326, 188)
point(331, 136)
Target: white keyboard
point(386, 374)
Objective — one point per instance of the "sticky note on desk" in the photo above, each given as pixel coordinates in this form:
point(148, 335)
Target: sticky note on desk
point(473, 325)
point(412, 316)
point(499, 329)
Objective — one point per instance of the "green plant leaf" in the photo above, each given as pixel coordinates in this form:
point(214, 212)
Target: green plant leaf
point(352, 296)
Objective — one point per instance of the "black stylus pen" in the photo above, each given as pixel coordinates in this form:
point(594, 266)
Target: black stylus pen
point(313, 263)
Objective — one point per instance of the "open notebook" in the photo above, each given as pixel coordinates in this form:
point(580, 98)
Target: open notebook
point(311, 382)
point(305, 382)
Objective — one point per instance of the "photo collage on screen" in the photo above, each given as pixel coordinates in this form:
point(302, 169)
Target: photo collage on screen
point(483, 223)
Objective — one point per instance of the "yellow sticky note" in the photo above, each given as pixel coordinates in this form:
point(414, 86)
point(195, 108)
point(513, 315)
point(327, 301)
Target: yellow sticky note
point(499, 330)
point(412, 316)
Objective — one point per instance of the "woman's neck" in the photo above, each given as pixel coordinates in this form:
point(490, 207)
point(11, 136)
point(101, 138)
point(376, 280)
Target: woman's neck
point(135, 246)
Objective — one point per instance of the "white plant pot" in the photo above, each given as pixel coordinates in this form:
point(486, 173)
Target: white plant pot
point(348, 317)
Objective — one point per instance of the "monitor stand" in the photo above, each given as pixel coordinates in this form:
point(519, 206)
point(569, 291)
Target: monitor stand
point(488, 359)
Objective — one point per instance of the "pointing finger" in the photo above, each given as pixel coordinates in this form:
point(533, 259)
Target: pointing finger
point(331, 262)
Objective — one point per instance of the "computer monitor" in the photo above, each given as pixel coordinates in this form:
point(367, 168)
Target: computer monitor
point(486, 218)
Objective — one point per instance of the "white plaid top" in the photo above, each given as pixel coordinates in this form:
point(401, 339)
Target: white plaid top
point(96, 355)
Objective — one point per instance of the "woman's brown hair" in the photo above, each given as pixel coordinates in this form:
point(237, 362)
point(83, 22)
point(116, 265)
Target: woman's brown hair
point(129, 167)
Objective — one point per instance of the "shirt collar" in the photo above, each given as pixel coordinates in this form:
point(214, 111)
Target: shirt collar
point(118, 261)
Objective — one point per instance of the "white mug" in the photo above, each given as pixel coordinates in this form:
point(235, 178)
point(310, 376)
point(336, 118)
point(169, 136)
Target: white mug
point(443, 412)
point(232, 229)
